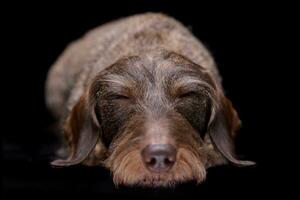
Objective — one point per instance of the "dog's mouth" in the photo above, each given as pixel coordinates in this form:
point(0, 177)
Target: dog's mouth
point(160, 181)
point(128, 169)
point(156, 183)
point(167, 180)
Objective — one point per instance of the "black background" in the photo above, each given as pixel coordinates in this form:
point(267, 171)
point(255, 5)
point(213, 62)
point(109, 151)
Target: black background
point(246, 41)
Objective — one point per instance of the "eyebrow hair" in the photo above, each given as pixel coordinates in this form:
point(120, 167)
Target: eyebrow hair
point(117, 80)
point(189, 80)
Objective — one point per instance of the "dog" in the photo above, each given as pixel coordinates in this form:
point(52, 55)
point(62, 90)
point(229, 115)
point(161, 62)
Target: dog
point(142, 97)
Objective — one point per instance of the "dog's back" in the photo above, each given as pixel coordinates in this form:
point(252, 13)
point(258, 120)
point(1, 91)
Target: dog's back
point(102, 46)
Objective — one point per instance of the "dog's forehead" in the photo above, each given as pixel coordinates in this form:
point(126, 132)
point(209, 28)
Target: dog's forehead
point(154, 68)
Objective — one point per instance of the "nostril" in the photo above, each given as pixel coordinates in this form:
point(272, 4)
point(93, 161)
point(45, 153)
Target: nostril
point(168, 161)
point(152, 162)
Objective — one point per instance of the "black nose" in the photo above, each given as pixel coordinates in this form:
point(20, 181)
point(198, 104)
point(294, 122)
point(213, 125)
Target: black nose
point(159, 157)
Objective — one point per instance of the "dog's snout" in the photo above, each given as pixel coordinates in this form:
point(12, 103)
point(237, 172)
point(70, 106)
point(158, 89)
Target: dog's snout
point(159, 157)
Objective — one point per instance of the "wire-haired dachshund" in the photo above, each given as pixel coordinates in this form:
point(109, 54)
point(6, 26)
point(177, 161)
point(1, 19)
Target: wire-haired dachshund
point(142, 96)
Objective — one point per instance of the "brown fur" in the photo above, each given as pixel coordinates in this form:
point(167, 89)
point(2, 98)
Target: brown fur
point(142, 80)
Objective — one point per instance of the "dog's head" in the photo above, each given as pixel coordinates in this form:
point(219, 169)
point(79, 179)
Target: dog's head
point(157, 119)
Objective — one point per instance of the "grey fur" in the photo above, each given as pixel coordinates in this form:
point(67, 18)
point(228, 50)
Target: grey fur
point(101, 47)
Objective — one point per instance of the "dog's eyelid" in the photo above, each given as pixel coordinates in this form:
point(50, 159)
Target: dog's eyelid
point(187, 94)
point(118, 96)
point(117, 93)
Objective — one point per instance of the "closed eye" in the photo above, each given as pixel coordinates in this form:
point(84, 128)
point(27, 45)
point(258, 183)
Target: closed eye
point(118, 97)
point(187, 94)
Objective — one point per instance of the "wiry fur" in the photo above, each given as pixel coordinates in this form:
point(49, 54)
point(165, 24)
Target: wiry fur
point(137, 81)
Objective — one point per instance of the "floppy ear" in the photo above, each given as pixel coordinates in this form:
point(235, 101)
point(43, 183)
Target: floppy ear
point(222, 131)
point(82, 130)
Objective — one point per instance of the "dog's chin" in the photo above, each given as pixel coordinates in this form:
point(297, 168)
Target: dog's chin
point(157, 181)
point(128, 169)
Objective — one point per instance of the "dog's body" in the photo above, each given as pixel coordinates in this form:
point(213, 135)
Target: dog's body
point(138, 67)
